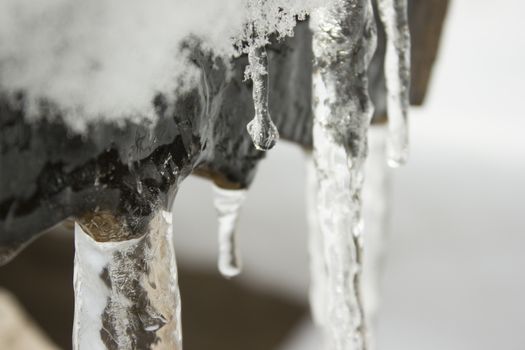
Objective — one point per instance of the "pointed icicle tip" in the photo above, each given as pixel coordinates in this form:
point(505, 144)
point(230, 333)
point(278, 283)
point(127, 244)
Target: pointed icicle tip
point(227, 204)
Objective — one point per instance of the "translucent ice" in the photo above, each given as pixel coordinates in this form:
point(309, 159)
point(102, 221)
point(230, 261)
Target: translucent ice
point(261, 129)
point(126, 293)
point(393, 14)
point(344, 39)
point(228, 203)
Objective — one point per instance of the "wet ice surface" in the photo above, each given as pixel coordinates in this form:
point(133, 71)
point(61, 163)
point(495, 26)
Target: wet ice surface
point(126, 293)
point(344, 39)
point(394, 15)
point(262, 130)
point(227, 204)
point(453, 279)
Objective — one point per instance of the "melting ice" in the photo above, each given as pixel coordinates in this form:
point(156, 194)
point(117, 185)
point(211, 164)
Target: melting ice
point(228, 203)
point(394, 15)
point(261, 129)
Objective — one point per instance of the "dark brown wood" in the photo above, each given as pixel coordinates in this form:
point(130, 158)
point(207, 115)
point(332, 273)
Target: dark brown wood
point(426, 21)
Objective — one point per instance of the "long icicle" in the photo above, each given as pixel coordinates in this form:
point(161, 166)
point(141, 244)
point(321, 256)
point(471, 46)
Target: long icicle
point(227, 203)
point(261, 128)
point(318, 273)
point(376, 205)
point(344, 39)
point(394, 16)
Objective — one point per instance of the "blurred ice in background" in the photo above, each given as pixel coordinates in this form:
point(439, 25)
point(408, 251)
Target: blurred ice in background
point(453, 278)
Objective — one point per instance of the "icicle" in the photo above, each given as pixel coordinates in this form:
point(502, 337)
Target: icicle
point(344, 38)
point(126, 293)
point(393, 14)
point(376, 191)
point(261, 128)
point(318, 271)
point(227, 203)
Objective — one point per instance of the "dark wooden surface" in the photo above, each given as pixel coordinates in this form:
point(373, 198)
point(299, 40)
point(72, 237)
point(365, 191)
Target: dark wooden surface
point(427, 18)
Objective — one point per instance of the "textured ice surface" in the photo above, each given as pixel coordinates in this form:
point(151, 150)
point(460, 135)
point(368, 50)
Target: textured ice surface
point(376, 204)
point(344, 39)
point(318, 273)
point(262, 130)
point(393, 14)
point(227, 204)
point(375, 213)
point(126, 293)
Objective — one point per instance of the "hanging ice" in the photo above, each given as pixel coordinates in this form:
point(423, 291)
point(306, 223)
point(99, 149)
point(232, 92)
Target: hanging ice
point(393, 14)
point(126, 292)
point(262, 130)
point(376, 193)
point(344, 39)
point(318, 273)
point(227, 203)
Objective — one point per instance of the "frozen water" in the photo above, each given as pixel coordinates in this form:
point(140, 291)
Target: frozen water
point(107, 59)
point(126, 293)
point(393, 14)
point(262, 130)
point(344, 39)
point(318, 273)
point(376, 204)
point(227, 204)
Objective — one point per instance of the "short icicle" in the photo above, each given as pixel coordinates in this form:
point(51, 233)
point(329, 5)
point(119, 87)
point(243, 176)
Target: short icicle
point(394, 16)
point(126, 292)
point(261, 128)
point(228, 203)
point(344, 40)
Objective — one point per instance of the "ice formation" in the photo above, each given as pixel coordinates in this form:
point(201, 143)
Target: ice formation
point(393, 14)
point(126, 293)
point(375, 213)
point(107, 60)
point(227, 204)
point(318, 273)
point(344, 39)
point(261, 129)
point(376, 194)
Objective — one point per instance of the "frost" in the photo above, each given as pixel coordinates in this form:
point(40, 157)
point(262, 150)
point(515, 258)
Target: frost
point(393, 14)
point(228, 203)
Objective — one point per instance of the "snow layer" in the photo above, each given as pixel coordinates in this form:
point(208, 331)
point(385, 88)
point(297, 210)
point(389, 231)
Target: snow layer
point(103, 59)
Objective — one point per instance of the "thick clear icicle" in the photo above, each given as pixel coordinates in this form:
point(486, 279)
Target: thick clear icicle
point(261, 128)
point(394, 16)
point(344, 39)
point(228, 203)
point(126, 292)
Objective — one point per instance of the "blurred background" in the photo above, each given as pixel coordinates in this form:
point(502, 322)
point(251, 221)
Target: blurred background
point(453, 277)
